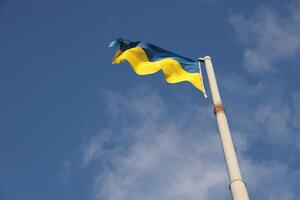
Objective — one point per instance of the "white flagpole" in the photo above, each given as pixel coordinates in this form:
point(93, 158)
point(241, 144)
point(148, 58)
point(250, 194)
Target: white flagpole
point(237, 185)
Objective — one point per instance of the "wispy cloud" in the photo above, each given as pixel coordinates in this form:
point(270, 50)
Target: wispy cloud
point(156, 155)
point(261, 110)
point(154, 150)
point(268, 38)
point(268, 180)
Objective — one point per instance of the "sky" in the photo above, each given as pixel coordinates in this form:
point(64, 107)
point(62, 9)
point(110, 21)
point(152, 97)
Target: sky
point(74, 126)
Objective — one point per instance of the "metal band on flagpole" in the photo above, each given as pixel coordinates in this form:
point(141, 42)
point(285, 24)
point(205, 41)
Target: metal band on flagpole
point(218, 108)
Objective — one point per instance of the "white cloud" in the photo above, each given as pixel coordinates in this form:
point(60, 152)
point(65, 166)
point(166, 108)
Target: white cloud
point(93, 150)
point(271, 180)
point(160, 156)
point(262, 112)
point(157, 151)
point(276, 119)
point(268, 38)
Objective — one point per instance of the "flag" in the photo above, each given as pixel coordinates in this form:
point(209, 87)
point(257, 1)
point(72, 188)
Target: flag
point(147, 58)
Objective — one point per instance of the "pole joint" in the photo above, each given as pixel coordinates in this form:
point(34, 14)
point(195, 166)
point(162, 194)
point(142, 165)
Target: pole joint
point(218, 108)
point(240, 180)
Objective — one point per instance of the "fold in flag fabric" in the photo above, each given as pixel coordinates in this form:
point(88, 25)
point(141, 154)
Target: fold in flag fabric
point(147, 58)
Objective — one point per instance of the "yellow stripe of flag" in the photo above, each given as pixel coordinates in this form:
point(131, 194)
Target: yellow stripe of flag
point(171, 69)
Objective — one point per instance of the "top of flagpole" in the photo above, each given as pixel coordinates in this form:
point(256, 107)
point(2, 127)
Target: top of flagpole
point(212, 80)
point(204, 58)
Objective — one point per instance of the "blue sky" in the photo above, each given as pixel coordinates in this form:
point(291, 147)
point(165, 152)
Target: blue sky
point(73, 126)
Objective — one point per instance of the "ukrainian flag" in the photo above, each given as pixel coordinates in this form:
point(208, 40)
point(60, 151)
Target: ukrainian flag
point(147, 58)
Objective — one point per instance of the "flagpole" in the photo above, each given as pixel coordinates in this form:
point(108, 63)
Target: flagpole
point(237, 186)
